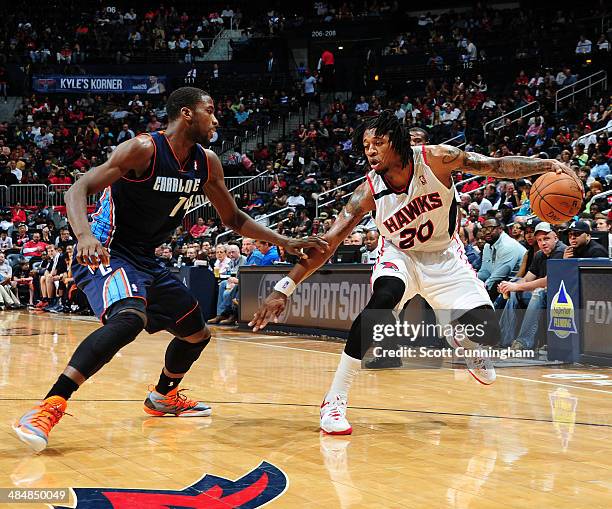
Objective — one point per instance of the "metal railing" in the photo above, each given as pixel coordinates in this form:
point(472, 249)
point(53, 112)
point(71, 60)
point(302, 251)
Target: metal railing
point(283, 122)
point(239, 184)
point(258, 220)
point(27, 195)
point(586, 84)
point(458, 137)
point(600, 195)
point(469, 179)
point(596, 131)
point(38, 195)
point(498, 123)
point(329, 191)
point(477, 189)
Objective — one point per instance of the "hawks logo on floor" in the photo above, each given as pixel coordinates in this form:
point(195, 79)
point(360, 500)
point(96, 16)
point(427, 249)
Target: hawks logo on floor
point(258, 487)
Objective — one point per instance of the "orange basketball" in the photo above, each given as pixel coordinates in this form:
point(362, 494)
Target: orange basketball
point(556, 198)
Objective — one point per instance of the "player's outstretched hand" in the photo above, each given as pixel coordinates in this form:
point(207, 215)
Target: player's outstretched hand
point(269, 311)
point(296, 246)
point(91, 253)
point(558, 167)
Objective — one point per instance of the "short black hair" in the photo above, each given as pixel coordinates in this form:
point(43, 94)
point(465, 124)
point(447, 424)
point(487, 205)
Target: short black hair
point(386, 124)
point(424, 134)
point(183, 97)
point(498, 223)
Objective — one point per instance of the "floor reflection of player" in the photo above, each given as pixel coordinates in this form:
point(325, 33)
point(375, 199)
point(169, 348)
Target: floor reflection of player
point(412, 192)
point(149, 183)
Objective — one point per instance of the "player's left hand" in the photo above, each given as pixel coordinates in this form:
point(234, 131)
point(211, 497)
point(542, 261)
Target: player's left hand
point(296, 246)
point(269, 311)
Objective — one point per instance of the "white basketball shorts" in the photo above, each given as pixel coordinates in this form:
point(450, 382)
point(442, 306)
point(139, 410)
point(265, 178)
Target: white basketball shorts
point(444, 278)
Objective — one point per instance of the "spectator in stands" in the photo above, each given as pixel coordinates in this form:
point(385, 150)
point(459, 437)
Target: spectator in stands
point(584, 46)
point(242, 115)
point(22, 282)
point(249, 249)
point(64, 240)
point(49, 281)
point(603, 45)
point(530, 291)
point(530, 243)
point(501, 257)
point(6, 242)
point(33, 249)
point(493, 196)
point(296, 199)
point(602, 169)
point(198, 230)
point(581, 243)
point(309, 83)
point(601, 225)
point(362, 106)
point(222, 262)
point(18, 214)
point(269, 252)
point(473, 255)
point(228, 288)
point(167, 258)
point(484, 205)
point(8, 299)
point(371, 252)
point(125, 134)
point(7, 178)
point(20, 236)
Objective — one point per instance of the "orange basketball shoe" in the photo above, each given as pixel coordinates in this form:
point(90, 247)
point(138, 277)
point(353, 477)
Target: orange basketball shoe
point(33, 427)
point(174, 404)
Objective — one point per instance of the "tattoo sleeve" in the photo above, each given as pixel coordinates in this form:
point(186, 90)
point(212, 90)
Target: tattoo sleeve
point(511, 167)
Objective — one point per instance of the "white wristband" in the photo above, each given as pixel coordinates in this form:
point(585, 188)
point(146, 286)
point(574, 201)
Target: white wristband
point(286, 286)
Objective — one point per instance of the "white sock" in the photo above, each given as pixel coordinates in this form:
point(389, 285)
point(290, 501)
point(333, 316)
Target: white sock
point(345, 374)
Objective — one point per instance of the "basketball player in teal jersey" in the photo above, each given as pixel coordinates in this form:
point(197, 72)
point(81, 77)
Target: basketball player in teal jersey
point(148, 184)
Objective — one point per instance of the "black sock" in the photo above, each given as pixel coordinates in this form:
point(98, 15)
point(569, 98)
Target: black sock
point(166, 384)
point(64, 387)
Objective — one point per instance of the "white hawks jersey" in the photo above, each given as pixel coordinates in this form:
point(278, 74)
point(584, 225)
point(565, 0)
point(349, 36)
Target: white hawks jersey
point(423, 216)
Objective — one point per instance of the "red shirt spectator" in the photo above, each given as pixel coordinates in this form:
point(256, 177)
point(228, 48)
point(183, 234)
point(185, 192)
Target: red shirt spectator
point(76, 116)
point(61, 179)
point(19, 215)
point(198, 229)
point(327, 57)
point(82, 164)
point(521, 79)
point(34, 247)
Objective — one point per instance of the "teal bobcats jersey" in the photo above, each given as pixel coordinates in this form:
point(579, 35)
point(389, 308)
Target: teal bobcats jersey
point(139, 214)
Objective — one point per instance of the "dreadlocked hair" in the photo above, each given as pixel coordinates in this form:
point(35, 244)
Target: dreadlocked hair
point(386, 124)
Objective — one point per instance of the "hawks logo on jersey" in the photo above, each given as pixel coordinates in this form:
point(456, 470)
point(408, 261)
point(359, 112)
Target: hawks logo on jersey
point(414, 209)
point(389, 265)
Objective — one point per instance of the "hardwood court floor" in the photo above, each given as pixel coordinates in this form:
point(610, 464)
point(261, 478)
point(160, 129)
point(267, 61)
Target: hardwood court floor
point(422, 438)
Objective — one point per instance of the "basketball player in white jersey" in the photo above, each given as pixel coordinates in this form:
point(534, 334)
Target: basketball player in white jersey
point(415, 202)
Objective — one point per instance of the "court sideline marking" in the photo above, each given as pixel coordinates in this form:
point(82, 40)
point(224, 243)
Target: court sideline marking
point(332, 353)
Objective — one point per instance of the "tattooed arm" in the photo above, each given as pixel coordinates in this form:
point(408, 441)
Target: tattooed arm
point(445, 159)
point(360, 203)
